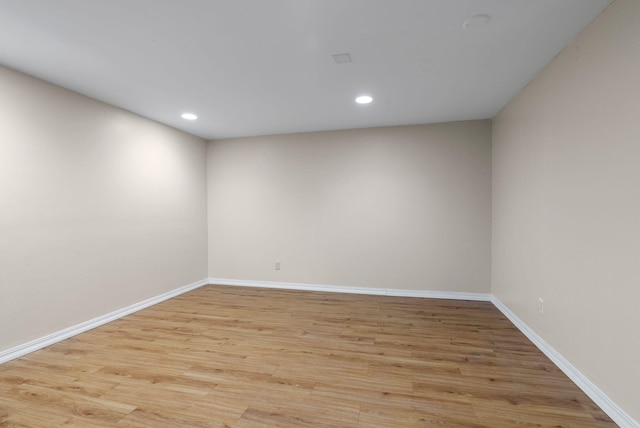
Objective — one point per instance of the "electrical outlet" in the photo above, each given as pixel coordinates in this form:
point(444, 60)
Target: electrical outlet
point(278, 265)
point(540, 305)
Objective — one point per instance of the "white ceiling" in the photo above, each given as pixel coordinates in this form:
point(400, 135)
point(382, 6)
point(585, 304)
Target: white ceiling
point(258, 67)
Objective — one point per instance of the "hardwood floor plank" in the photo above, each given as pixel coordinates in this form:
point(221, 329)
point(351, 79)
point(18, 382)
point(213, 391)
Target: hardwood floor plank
point(243, 357)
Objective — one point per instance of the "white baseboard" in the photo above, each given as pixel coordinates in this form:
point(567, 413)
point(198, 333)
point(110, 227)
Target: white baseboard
point(454, 295)
point(618, 415)
point(34, 345)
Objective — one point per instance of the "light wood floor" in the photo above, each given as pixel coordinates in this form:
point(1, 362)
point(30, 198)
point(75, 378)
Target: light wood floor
point(243, 357)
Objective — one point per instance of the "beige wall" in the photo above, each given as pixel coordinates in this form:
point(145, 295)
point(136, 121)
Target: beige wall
point(99, 209)
point(406, 207)
point(566, 204)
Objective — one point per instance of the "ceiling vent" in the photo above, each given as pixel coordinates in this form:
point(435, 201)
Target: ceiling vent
point(343, 58)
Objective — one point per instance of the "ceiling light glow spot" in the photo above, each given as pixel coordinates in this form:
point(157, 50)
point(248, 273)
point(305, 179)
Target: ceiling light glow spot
point(364, 99)
point(189, 116)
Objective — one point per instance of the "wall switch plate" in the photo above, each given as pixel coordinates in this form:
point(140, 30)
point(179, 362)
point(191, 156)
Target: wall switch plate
point(540, 305)
point(278, 265)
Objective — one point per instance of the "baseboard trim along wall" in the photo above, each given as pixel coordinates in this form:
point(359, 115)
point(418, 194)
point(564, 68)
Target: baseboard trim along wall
point(618, 415)
point(34, 345)
point(454, 295)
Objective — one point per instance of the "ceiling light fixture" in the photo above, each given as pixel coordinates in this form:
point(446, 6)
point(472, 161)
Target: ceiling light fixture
point(476, 21)
point(364, 99)
point(189, 116)
point(343, 58)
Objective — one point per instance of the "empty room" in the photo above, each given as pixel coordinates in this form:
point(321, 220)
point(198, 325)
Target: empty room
point(338, 213)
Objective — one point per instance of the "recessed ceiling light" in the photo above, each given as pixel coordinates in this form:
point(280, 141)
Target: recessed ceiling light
point(476, 21)
point(364, 99)
point(189, 116)
point(343, 58)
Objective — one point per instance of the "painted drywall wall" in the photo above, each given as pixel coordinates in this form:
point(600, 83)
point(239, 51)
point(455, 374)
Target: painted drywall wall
point(401, 207)
point(99, 209)
point(566, 204)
